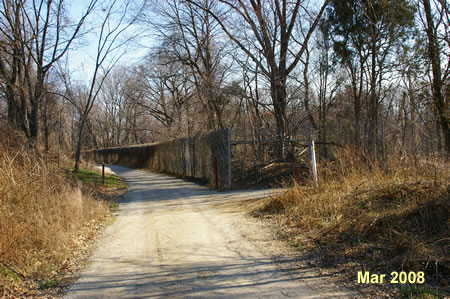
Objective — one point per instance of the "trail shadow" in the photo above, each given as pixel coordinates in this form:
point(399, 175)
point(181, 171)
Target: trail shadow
point(243, 278)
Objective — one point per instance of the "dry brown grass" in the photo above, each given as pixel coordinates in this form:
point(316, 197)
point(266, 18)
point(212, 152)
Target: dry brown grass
point(383, 220)
point(41, 212)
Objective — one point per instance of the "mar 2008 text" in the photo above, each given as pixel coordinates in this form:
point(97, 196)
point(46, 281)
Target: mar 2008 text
point(395, 277)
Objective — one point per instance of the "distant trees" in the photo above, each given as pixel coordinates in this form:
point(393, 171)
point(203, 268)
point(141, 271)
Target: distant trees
point(328, 81)
point(372, 74)
point(365, 34)
point(116, 115)
point(166, 93)
point(190, 38)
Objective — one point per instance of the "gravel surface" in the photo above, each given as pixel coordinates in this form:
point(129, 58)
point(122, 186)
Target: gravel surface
point(176, 239)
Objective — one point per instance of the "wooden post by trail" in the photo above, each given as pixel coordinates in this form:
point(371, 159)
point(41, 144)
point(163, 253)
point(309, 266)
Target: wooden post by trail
point(103, 173)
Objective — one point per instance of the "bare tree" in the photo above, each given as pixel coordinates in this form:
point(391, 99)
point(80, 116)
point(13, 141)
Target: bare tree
point(111, 46)
point(112, 104)
point(268, 27)
point(329, 82)
point(190, 36)
point(166, 92)
point(38, 35)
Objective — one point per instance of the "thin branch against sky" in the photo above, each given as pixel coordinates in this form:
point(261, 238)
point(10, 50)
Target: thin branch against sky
point(129, 48)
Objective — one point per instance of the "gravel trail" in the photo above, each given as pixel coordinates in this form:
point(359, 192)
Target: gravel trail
point(176, 239)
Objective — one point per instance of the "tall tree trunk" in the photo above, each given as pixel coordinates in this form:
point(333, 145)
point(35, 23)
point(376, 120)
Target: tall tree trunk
point(440, 103)
point(12, 107)
point(34, 123)
point(356, 104)
point(438, 134)
point(373, 101)
point(279, 104)
point(78, 149)
point(35, 96)
point(46, 126)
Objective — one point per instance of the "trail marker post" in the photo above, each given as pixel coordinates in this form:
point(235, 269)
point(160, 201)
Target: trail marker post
point(103, 173)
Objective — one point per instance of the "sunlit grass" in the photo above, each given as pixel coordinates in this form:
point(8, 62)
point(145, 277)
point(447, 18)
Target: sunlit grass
point(95, 177)
point(41, 213)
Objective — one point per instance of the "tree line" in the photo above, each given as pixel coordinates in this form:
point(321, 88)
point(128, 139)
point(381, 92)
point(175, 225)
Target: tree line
point(371, 74)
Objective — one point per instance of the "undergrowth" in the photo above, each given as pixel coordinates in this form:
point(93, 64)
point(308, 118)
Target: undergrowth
point(375, 219)
point(41, 213)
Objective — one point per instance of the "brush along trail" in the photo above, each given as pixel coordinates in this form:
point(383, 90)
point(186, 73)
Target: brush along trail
point(174, 238)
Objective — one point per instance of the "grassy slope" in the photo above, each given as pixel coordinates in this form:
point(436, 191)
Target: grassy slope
point(361, 219)
point(47, 218)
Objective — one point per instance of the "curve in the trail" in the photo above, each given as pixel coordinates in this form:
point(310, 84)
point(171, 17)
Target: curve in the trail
point(173, 238)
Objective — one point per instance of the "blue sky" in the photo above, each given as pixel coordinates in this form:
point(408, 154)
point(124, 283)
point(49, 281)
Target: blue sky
point(81, 58)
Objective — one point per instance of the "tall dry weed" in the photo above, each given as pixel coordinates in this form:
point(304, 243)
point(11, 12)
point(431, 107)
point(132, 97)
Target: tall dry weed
point(350, 179)
point(41, 210)
point(389, 218)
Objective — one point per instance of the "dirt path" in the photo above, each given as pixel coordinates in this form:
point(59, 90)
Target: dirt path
point(176, 239)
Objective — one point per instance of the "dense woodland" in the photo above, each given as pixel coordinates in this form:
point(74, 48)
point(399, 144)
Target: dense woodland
point(370, 74)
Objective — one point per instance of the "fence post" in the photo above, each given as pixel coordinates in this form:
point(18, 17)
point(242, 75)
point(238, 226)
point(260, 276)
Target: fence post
point(216, 172)
point(313, 162)
point(103, 173)
point(229, 155)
